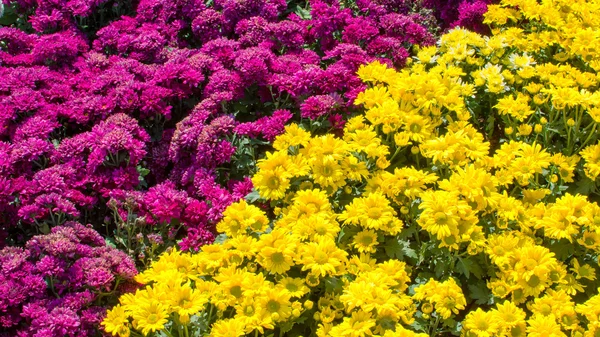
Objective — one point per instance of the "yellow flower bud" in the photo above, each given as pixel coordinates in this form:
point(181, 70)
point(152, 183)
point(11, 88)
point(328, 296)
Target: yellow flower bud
point(508, 131)
point(571, 122)
point(184, 319)
point(414, 150)
point(537, 128)
point(404, 210)
point(382, 163)
point(306, 185)
point(309, 304)
point(543, 121)
point(123, 331)
point(553, 178)
point(524, 129)
point(427, 308)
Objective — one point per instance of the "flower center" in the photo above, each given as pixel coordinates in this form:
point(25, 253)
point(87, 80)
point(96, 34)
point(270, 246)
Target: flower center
point(273, 306)
point(277, 258)
point(152, 318)
point(236, 291)
point(321, 258)
point(374, 213)
point(273, 183)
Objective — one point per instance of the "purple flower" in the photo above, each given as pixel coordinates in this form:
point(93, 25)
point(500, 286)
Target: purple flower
point(319, 105)
point(207, 25)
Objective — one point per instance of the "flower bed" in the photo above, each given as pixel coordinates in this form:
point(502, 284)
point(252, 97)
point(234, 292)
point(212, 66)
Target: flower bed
point(455, 204)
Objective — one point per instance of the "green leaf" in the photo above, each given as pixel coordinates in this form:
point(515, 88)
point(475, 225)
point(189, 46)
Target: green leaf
point(8, 16)
point(334, 285)
point(220, 238)
point(303, 13)
point(480, 293)
point(440, 268)
point(409, 251)
point(252, 196)
point(393, 248)
point(467, 267)
point(562, 248)
point(110, 242)
point(142, 171)
point(584, 186)
point(347, 232)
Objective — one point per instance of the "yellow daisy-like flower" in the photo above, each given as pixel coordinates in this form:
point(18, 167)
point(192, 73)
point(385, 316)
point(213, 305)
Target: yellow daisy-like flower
point(271, 184)
point(294, 286)
point(481, 323)
point(294, 136)
point(277, 304)
point(150, 315)
point(327, 172)
point(276, 251)
point(371, 212)
point(116, 321)
point(358, 325)
point(365, 241)
point(240, 217)
point(544, 326)
point(591, 155)
point(187, 301)
point(323, 257)
point(232, 327)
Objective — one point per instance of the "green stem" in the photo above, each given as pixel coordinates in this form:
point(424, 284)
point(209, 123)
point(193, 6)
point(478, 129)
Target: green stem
point(395, 154)
point(592, 133)
point(435, 326)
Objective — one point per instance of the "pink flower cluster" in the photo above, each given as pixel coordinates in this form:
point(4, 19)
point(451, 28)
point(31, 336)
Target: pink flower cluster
point(152, 106)
point(463, 13)
point(51, 287)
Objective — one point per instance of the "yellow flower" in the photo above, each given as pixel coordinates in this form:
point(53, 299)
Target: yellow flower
point(510, 317)
point(372, 72)
point(187, 301)
point(532, 266)
point(328, 173)
point(372, 212)
point(116, 321)
point(323, 257)
point(544, 326)
point(358, 325)
point(354, 168)
point(294, 136)
point(277, 304)
point(239, 217)
point(276, 251)
point(150, 315)
point(441, 213)
point(232, 327)
point(583, 271)
point(590, 240)
point(591, 155)
point(271, 184)
point(447, 296)
point(517, 107)
point(449, 299)
point(481, 323)
point(365, 241)
point(294, 286)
